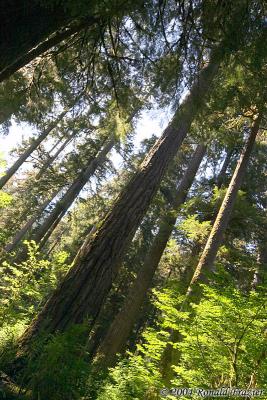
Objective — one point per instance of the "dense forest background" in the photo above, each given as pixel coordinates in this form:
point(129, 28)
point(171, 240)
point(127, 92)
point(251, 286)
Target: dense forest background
point(124, 279)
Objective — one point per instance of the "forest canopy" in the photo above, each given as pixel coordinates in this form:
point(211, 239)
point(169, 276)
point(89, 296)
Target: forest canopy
point(133, 263)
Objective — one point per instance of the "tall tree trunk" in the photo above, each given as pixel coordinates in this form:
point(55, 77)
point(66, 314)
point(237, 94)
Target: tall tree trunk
point(82, 292)
point(222, 173)
point(41, 48)
point(35, 143)
point(82, 250)
point(48, 226)
point(22, 232)
point(261, 272)
point(56, 242)
point(263, 259)
point(51, 159)
point(123, 323)
point(24, 25)
point(49, 232)
point(221, 222)
point(171, 356)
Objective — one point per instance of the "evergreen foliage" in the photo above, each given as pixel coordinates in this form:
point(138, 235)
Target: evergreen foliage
point(130, 265)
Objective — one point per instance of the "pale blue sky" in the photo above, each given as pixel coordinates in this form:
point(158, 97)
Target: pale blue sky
point(150, 122)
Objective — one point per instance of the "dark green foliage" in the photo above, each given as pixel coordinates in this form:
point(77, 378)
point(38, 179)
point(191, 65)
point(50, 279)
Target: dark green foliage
point(61, 370)
point(125, 59)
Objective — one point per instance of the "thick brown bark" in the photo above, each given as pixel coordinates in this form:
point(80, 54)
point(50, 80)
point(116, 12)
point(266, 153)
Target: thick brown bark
point(82, 250)
point(216, 235)
point(124, 321)
point(82, 292)
point(48, 226)
point(35, 143)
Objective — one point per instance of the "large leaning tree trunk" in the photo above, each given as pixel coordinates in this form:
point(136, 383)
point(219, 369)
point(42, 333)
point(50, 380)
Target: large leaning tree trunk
point(121, 326)
point(215, 238)
point(25, 58)
point(86, 285)
point(29, 28)
point(62, 206)
point(35, 143)
point(24, 25)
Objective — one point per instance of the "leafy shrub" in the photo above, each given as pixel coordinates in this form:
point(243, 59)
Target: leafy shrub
point(223, 345)
point(25, 286)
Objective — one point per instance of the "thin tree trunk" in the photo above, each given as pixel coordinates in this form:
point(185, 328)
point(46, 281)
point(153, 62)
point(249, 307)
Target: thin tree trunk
point(22, 232)
point(171, 356)
point(48, 226)
point(35, 143)
point(50, 231)
point(221, 175)
point(260, 273)
point(51, 159)
point(86, 285)
point(216, 235)
point(56, 242)
point(123, 323)
point(263, 259)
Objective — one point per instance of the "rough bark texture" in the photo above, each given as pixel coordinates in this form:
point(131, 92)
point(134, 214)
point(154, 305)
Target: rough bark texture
point(48, 226)
point(82, 250)
point(216, 235)
point(82, 292)
point(124, 321)
point(35, 143)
